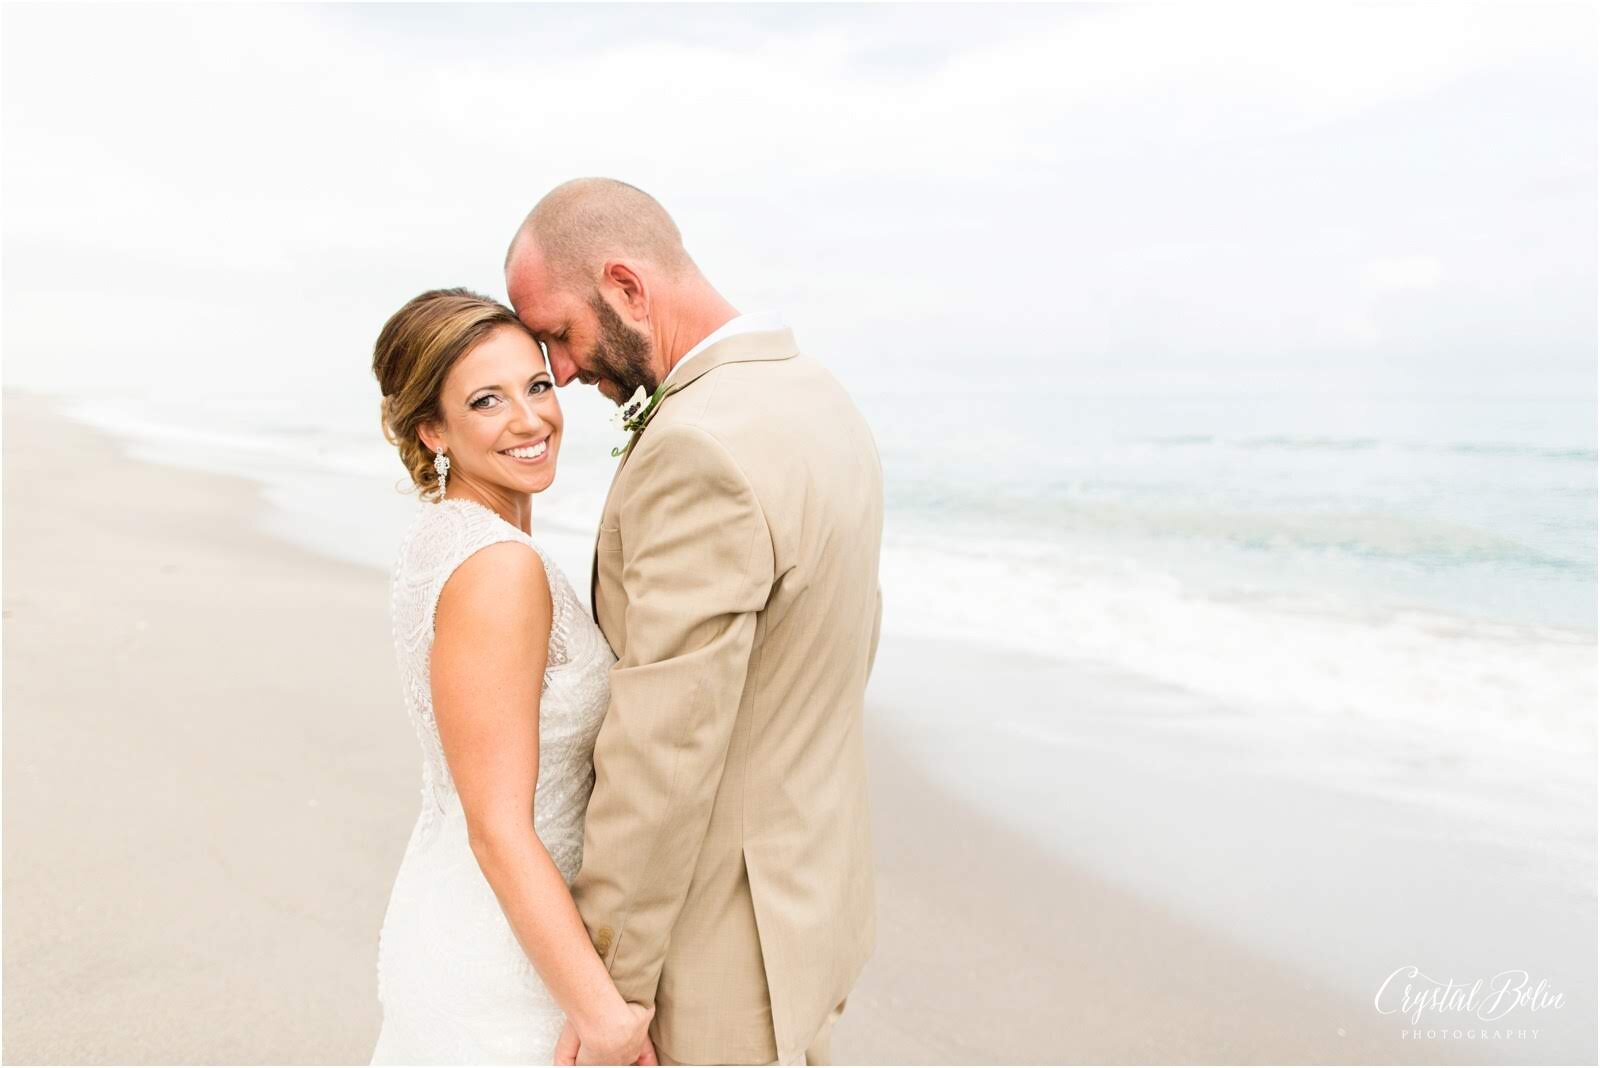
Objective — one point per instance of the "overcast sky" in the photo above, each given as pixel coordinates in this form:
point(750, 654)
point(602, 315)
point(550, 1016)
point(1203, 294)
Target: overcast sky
point(240, 195)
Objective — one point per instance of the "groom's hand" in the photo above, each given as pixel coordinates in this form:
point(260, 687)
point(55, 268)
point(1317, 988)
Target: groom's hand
point(627, 1043)
point(568, 1050)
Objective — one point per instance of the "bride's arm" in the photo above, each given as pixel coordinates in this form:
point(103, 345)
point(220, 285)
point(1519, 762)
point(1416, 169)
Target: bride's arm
point(491, 639)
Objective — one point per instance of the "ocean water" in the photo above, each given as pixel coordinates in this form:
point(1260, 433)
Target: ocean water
point(1419, 565)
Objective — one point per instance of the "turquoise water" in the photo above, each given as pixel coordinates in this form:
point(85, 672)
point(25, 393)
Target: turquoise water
point(1479, 506)
point(1420, 564)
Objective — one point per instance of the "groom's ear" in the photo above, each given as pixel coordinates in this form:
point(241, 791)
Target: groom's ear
point(629, 286)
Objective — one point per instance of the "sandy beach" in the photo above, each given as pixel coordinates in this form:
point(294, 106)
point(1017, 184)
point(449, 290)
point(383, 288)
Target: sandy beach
point(209, 779)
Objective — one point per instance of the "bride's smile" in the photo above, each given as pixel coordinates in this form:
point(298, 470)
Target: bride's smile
point(534, 453)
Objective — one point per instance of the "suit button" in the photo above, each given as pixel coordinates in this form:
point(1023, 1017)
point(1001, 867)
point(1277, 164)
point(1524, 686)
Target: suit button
point(602, 941)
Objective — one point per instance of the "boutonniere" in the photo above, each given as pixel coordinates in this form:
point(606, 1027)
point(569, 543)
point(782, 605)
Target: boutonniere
point(631, 416)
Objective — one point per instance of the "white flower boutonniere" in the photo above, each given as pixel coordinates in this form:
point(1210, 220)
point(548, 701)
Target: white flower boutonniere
point(635, 413)
point(630, 409)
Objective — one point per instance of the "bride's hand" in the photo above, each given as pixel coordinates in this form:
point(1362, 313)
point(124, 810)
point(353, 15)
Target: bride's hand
point(623, 1039)
point(567, 1045)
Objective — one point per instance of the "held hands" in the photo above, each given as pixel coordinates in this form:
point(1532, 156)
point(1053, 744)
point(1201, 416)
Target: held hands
point(624, 1039)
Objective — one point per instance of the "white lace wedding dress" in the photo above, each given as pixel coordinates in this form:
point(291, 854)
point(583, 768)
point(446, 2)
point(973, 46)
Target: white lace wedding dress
point(455, 985)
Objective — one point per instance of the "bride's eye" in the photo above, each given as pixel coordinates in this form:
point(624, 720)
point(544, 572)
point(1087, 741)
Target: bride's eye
point(479, 405)
point(539, 386)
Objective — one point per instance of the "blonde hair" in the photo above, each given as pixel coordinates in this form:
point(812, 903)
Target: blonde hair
point(415, 351)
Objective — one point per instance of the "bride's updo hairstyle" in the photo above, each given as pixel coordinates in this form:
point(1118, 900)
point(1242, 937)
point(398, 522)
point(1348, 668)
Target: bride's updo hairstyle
point(418, 346)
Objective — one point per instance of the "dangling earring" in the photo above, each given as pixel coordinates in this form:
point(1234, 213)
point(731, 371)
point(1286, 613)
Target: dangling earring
point(441, 464)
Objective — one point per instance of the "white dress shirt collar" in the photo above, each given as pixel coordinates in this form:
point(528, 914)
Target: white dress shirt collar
point(739, 324)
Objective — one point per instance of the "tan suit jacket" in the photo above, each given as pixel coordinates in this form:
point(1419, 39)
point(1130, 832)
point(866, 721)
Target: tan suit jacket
point(727, 874)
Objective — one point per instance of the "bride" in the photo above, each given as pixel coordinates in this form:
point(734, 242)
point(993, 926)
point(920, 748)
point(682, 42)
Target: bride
point(482, 955)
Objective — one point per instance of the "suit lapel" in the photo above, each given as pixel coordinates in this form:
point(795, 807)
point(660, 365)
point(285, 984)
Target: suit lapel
point(740, 348)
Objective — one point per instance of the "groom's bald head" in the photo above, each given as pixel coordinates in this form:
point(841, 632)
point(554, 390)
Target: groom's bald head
point(598, 274)
point(581, 224)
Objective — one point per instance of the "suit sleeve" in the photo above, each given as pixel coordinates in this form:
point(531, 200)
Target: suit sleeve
point(697, 566)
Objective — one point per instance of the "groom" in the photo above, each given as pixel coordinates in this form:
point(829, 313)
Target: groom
point(727, 875)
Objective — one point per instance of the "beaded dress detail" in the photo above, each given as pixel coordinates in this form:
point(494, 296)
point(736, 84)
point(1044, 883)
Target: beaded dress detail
point(455, 984)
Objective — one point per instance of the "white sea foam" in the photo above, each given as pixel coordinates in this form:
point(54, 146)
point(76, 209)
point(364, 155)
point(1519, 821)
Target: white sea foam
point(1416, 673)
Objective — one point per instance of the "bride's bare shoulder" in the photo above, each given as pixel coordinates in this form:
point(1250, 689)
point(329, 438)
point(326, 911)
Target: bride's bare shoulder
point(504, 582)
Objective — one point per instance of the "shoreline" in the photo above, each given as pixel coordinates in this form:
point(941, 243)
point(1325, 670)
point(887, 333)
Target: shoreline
point(1480, 684)
point(209, 779)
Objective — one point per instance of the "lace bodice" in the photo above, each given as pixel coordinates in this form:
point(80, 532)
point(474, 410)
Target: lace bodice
point(573, 695)
point(456, 985)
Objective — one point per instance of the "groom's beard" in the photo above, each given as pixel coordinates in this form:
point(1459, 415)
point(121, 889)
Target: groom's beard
point(621, 354)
